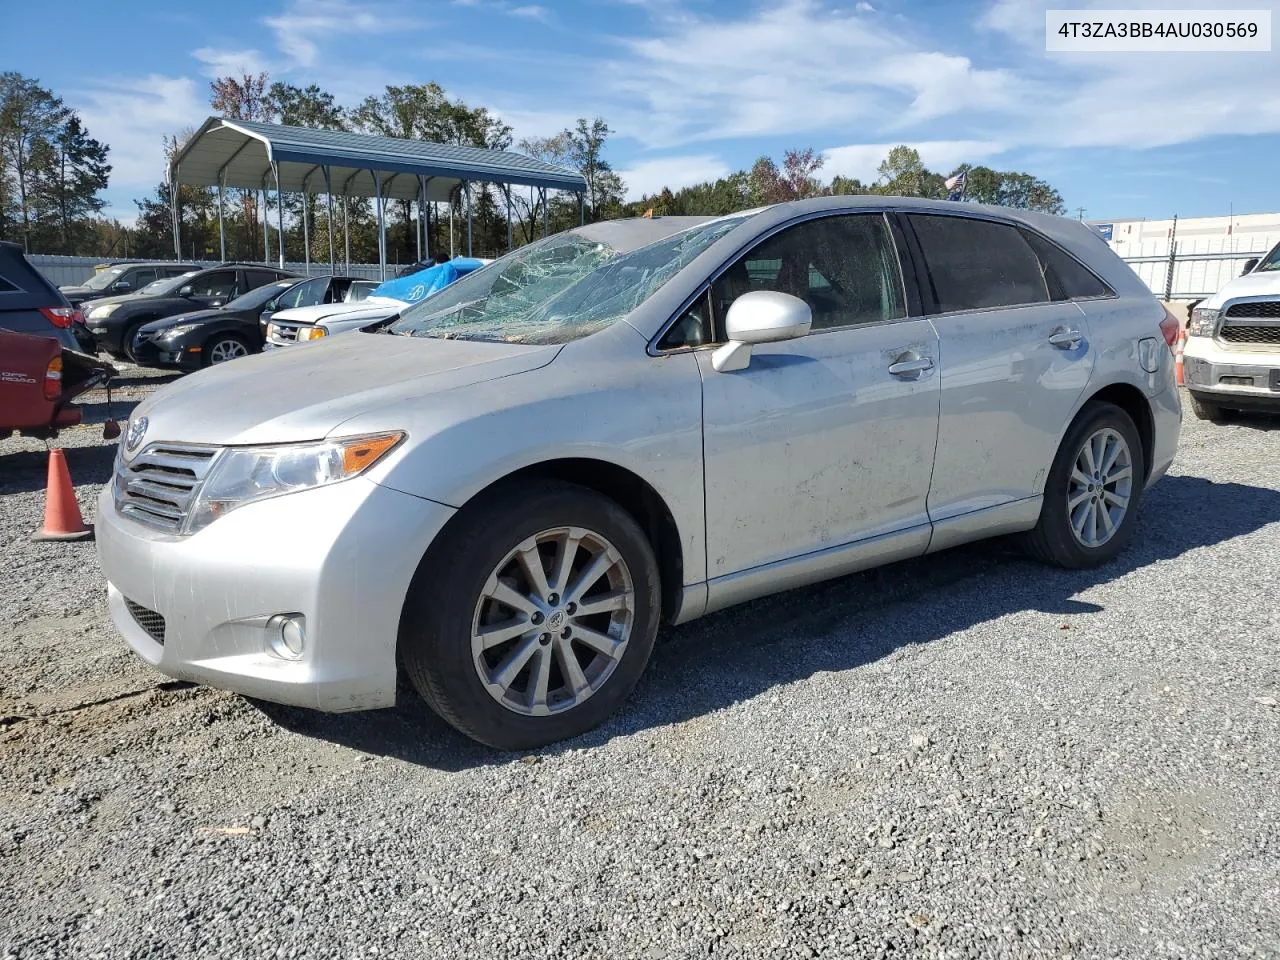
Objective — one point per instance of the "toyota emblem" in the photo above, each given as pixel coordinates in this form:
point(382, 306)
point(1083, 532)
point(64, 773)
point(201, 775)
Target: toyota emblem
point(133, 435)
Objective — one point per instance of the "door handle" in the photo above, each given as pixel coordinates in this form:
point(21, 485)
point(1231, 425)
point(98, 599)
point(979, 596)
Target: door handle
point(904, 368)
point(1066, 338)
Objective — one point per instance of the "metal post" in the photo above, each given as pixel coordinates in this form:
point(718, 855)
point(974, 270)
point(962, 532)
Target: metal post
point(545, 214)
point(266, 239)
point(175, 212)
point(1173, 260)
point(510, 242)
point(382, 228)
point(582, 209)
point(417, 233)
point(279, 212)
point(328, 199)
point(306, 231)
point(222, 235)
point(451, 253)
point(467, 186)
point(346, 235)
point(427, 206)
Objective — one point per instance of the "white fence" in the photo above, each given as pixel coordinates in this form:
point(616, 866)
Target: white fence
point(67, 271)
point(1200, 266)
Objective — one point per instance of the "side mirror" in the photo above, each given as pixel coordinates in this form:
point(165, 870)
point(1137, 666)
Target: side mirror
point(1249, 265)
point(185, 290)
point(761, 316)
point(122, 285)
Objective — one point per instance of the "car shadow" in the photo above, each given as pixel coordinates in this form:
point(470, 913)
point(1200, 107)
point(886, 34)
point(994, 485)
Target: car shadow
point(839, 625)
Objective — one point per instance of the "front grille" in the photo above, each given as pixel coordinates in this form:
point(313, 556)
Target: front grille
point(1251, 334)
point(1258, 309)
point(158, 486)
point(148, 620)
point(280, 333)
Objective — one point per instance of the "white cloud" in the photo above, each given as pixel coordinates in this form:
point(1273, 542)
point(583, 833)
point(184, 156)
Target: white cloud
point(222, 63)
point(860, 160)
point(133, 116)
point(531, 12)
point(649, 176)
point(305, 24)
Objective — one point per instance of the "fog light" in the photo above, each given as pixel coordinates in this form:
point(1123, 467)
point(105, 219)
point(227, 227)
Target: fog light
point(287, 636)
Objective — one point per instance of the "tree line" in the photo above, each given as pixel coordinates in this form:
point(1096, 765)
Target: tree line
point(52, 172)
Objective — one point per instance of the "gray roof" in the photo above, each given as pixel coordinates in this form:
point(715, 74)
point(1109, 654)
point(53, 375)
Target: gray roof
point(245, 150)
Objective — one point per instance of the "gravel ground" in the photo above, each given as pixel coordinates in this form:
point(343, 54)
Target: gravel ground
point(964, 756)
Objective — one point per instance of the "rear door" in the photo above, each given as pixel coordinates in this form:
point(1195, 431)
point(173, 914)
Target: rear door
point(1014, 360)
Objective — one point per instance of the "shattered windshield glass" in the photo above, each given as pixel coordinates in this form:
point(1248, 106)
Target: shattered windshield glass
point(556, 290)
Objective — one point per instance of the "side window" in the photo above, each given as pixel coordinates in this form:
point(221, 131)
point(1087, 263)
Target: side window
point(221, 283)
point(1065, 276)
point(256, 278)
point(976, 264)
point(173, 271)
point(311, 292)
point(141, 277)
point(845, 267)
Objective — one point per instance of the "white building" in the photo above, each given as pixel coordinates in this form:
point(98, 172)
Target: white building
point(1241, 236)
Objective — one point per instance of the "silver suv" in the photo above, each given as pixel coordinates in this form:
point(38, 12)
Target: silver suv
point(507, 489)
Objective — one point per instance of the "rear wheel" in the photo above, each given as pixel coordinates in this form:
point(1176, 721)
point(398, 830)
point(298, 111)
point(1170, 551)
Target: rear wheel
point(1092, 494)
point(533, 617)
point(1207, 410)
point(222, 347)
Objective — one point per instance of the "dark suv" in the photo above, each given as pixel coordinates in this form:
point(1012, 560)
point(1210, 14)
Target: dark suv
point(125, 276)
point(113, 321)
point(31, 304)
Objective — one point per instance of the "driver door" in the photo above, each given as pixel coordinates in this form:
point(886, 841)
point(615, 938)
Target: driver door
point(823, 446)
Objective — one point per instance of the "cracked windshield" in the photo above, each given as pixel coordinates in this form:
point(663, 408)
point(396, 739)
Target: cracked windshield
point(560, 289)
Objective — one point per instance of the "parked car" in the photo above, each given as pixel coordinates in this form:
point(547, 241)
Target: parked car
point(31, 304)
point(39, 379)
point(202, 338)
point(630, 422)
point(318, 291)
point(1232, 354)
point(114, 321)
point(125, 276)
point(305, 324)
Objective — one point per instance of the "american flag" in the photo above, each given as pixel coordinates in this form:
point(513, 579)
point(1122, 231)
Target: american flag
point(955, 186)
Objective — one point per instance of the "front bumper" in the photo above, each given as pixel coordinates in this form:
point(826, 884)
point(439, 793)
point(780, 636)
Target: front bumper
point(158, 353)
point(1250, 376)
point(342, 556)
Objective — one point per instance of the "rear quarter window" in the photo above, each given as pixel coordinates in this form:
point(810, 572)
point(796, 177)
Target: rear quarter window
point(1066, 277)
point(973, 264)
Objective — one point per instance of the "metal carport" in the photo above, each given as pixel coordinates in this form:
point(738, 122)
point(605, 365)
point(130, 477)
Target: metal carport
point(248, 155)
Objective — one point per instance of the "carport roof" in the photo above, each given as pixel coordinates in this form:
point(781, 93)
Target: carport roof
point(245, 150)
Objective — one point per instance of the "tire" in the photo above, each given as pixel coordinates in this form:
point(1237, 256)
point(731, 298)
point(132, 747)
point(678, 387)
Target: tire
point(1207, 410)
point(126, 345)
point(223, 347)
point(447, 608)
point(1055, 539)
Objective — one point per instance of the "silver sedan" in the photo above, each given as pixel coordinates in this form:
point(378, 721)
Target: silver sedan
point(507, 489)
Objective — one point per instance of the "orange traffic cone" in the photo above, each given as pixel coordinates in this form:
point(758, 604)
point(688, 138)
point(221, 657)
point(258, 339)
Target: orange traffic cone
point(62, 520)
point(1177, 356)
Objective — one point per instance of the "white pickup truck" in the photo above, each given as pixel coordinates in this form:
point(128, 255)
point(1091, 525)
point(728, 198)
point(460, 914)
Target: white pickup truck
point(1232, 355)
point(302, 324)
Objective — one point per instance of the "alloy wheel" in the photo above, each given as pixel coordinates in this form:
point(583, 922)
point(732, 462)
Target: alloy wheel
point(225, 350)
point(1100, 487)
point(553, 621)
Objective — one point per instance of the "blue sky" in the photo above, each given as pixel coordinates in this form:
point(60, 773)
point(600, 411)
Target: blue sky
point(697, 88)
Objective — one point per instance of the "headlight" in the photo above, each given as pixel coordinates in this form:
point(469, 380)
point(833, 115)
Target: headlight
point(242, 475)
point(312, 333)
point(178, 331)
point(106, 310)
point(1203, 322)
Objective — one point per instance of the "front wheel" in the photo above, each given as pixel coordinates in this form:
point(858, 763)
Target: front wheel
point(532, 618)
point(1207, 410)
point(1093, 490)
point(223, 347)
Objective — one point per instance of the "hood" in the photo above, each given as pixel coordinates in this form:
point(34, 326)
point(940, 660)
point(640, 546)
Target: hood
point(352, 311)
point(1263, 284)
point(125, 299)
point(195, 316)
point(293, 395)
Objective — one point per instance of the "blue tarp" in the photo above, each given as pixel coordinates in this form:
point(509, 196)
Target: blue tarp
point(420, 285)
